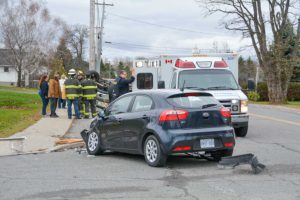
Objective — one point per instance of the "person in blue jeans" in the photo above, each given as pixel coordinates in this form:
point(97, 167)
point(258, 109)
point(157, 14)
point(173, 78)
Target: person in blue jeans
point(43, 92)
point(73, 91)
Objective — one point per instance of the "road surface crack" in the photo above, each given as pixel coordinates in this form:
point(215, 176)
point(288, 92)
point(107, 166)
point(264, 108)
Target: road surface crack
point(287, 148)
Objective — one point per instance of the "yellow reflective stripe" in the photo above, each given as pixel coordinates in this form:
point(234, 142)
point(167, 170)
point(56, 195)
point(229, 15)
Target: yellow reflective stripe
point(72, 95)
point(89, 87)
point(90, 95)
point(72, 86)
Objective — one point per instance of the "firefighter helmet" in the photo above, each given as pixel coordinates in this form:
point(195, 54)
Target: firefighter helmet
point(80, 73)
point(72, 72)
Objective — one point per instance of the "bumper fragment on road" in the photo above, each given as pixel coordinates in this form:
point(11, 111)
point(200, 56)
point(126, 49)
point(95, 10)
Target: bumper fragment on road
point(245, 159)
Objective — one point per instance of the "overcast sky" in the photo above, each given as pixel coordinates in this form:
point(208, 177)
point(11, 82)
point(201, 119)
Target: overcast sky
point(132, 38)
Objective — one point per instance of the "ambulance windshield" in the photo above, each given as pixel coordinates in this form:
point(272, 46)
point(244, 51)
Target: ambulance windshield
point(208, 79)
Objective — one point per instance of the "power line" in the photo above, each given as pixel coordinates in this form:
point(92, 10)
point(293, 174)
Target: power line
point(146, 46)
point(156, 49)
point(162, 26)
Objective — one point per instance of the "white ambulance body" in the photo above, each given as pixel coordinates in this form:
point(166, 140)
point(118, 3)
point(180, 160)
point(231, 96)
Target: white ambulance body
point(213, 73)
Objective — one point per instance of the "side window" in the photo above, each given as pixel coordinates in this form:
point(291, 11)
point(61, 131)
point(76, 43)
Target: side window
point(120, 106)
point(145, 81)
point(173, 84)
point(142, 103)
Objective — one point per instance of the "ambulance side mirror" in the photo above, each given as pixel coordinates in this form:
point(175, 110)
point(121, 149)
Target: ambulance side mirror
point(161, 85)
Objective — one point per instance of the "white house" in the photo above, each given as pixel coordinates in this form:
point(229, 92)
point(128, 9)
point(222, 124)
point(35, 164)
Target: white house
point(8, 73)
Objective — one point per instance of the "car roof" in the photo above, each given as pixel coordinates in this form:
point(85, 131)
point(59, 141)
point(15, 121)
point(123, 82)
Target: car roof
point(164, 93)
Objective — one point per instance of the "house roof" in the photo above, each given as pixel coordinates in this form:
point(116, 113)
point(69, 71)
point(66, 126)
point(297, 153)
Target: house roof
point(6, 57)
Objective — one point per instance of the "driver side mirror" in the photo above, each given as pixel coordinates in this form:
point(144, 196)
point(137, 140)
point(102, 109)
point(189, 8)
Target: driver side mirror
point(102, 115)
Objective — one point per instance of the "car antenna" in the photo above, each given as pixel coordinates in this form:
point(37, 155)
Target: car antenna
point(182, 88)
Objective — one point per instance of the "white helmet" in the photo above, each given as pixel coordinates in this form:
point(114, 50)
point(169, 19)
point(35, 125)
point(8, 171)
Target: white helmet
point(72, 72)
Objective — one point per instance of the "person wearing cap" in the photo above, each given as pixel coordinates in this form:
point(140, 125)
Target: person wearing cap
point(62, 101)
point(81, 106)
point(89, 90)
point(73, 90)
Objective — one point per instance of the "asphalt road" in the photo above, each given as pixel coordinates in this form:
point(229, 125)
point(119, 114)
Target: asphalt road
point(274, 136)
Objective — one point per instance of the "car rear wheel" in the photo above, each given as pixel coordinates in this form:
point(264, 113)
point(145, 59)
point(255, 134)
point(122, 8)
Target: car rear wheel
point(93, 144)
point(153, 153)
point(241, 132)
point(217, 155)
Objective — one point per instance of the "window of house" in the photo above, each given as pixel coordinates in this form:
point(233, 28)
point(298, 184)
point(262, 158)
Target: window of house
point(145, 81)
point(6, 69)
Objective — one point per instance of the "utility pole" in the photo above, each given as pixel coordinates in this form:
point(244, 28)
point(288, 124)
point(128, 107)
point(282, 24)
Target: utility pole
point(100, 35)
point(92, 60)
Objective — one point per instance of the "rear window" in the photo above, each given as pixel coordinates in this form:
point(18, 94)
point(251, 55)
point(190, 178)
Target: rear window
point(192, 101)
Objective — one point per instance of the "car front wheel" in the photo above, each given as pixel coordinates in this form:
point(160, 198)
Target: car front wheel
point(153, 153)
point(93, 145)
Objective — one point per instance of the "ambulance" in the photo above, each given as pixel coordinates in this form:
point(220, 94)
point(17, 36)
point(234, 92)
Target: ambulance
point(213, 73)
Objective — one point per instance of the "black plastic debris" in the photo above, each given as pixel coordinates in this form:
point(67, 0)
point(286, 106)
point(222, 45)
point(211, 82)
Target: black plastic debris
point(84, 135)
point(245, 159)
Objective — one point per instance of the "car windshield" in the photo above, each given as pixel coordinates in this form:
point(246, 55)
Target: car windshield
point(207, 80)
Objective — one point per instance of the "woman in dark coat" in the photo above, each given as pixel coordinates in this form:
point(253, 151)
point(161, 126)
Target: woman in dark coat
point(43, 92)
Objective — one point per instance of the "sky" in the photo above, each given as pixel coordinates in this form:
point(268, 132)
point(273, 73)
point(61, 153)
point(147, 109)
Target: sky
point(180, 26)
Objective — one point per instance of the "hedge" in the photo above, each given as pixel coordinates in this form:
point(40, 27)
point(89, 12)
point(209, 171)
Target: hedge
point(293, 92)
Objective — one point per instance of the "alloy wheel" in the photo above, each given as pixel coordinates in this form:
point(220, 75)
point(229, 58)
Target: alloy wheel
point(151, 150)
point(93, 141)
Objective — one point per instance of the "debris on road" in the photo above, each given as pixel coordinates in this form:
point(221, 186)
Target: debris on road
point(68, 141)
point(245, 159)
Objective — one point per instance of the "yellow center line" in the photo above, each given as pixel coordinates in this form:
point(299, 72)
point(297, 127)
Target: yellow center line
point(275, 119)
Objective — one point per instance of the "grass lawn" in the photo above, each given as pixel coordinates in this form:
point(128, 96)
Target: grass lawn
point(12, 88)
point(18, 110)
point(291, 104)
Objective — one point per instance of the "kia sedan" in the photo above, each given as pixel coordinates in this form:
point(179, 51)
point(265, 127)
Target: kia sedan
point(159, 123)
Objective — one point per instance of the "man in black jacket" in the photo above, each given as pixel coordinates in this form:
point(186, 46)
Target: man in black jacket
point(123, 83)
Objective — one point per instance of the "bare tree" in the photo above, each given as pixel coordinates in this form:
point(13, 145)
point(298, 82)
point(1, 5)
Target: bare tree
point(255, 18)
point(76, 37)
point(29, 31)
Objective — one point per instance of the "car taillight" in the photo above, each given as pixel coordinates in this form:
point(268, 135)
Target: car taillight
point(225, 112)
point(229, 144)
point(173, 115)
point(220, 64)
point(182, 64)
point(183, 148)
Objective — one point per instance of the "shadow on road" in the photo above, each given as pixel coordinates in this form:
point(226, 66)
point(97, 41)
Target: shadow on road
point(174, 161)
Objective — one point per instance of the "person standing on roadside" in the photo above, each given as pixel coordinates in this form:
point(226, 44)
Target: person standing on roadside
point(73, 90)
point(89, 90)
point(43, 92)
point(62, 100)
point(80, 77)
point(123, 83)
point(54, 94)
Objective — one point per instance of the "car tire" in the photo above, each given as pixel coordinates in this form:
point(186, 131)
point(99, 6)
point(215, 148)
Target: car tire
point(93, 144)
point(217, 155)
point(241, 132)
point(153, 153)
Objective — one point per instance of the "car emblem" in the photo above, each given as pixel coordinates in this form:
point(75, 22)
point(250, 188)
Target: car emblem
point(206, 114)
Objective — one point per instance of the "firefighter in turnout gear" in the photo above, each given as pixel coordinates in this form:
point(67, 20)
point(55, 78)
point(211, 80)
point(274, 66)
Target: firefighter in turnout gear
point(89, 90)
point(80, 77)
point(73, 89)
